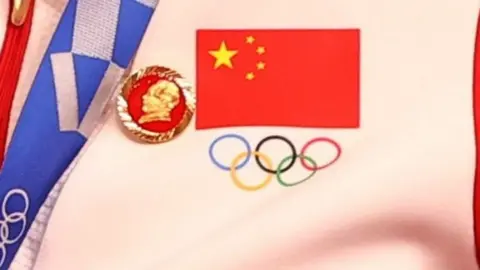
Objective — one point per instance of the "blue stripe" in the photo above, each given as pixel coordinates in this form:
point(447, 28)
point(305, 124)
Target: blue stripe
point(127, 31)
point(39, 152)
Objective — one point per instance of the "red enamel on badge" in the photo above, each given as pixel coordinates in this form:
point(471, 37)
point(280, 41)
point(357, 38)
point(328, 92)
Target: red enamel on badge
point(156, 104)
point(144, 100)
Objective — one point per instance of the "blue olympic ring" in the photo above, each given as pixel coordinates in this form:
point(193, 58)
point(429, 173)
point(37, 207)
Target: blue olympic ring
point(226, 136)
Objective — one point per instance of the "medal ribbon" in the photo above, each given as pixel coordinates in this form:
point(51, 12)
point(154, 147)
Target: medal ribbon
point(92, 46)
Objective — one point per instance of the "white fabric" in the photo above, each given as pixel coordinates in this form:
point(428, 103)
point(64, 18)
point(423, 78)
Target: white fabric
point(100, 17)
point(113, 75)
point(399, 198)
point(148, 3)
point(66, 86)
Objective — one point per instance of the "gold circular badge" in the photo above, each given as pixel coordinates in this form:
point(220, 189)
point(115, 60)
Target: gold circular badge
point(156, 104)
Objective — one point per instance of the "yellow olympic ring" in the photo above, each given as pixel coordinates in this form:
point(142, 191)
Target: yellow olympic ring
point(239, 183)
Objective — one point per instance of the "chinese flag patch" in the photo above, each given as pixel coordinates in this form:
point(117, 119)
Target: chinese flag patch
point(294, 78)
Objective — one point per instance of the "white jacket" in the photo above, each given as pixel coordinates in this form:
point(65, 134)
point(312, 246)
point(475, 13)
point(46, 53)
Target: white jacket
point(399, 197)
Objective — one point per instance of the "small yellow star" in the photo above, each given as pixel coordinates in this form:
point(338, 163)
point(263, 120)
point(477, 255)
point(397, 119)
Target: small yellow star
point(250, 76)
point(223, 56)
point(250, 39)
point(261, 50)
point(260, 65)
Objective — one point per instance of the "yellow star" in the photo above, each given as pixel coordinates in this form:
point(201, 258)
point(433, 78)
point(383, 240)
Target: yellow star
point(261, 50)
point(223, 56)
point(250, 39)
point(250, 76)
point(260, 65)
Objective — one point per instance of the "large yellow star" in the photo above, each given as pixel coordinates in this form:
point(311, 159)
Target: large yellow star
point(223, 56)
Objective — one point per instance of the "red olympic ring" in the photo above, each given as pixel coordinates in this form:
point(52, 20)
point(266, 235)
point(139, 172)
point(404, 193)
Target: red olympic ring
point(318, 140)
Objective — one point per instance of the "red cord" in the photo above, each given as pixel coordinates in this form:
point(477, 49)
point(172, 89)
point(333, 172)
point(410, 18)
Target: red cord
point(11, 59)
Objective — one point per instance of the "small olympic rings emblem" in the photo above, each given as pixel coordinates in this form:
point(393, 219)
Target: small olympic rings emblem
point(8, 221)
point(265, 163)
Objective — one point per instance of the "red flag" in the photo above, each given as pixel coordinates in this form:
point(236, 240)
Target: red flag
point(298, 78)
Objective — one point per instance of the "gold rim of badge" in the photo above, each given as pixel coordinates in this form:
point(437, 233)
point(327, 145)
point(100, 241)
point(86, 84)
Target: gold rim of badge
point(148, 101)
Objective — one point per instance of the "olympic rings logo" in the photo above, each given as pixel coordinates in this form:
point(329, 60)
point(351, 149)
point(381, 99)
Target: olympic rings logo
point(10, 219)
point(265, 163)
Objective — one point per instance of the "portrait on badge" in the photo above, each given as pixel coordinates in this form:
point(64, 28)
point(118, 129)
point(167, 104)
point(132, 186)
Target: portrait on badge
point(156, 104)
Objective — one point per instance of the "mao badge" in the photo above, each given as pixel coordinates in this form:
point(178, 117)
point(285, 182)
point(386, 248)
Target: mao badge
point(156, 104)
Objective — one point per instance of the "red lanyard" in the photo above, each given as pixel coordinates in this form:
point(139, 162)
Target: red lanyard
point(11, 59)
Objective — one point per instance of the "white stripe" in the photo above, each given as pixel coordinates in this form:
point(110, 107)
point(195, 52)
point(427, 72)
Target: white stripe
point(95, 28)
point(66, 90)
point(106, 89)
point(148, 3)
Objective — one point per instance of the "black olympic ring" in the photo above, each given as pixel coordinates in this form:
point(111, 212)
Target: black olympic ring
point(281, 138)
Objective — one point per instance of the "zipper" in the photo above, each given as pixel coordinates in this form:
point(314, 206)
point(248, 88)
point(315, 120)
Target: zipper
point(11, 59)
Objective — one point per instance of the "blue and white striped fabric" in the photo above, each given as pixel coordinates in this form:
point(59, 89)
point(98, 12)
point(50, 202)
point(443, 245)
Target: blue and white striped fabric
point(92, 46)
